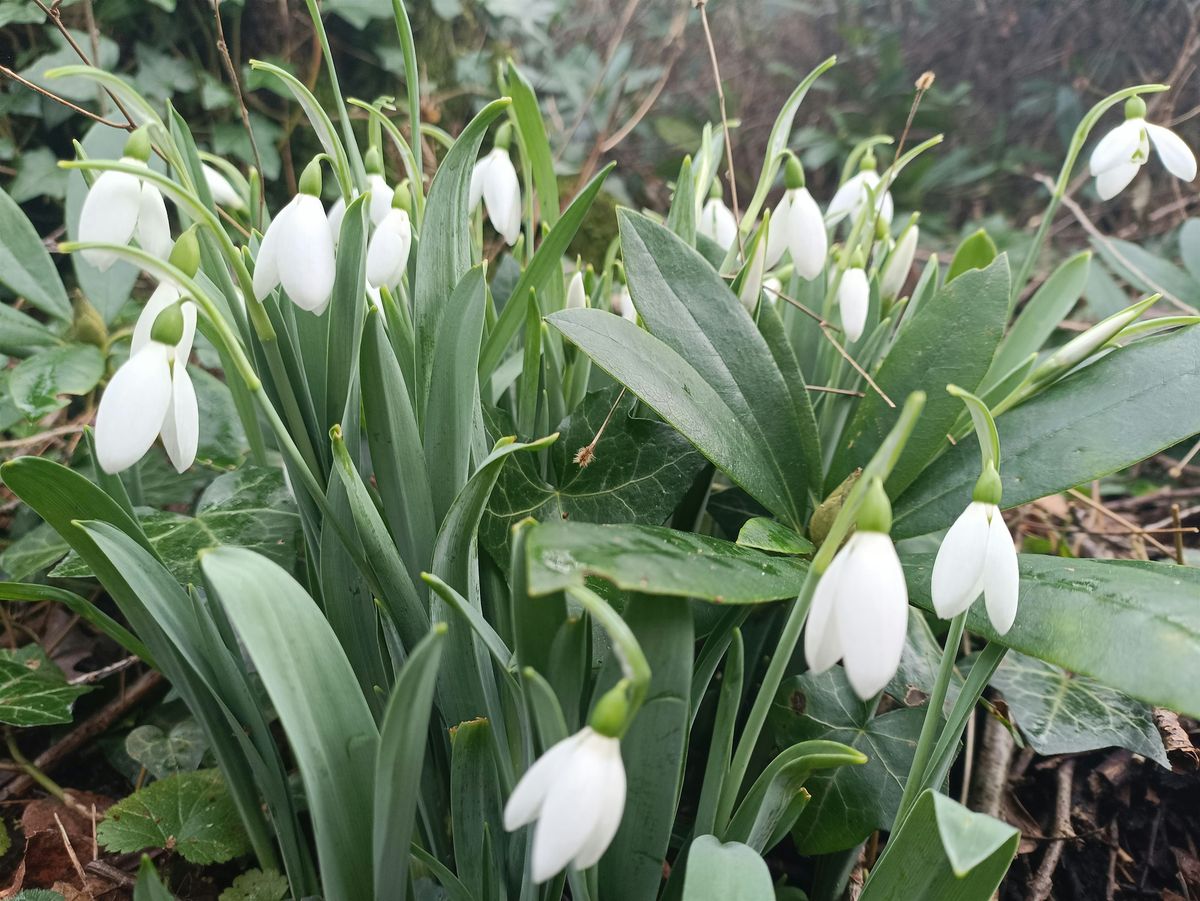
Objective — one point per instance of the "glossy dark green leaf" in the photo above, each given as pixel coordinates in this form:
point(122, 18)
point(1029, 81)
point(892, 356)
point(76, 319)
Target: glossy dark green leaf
point(726, 872)
point(774, 537)
point(179, 749)
point(943, 851)
point(37, 382)
point(81, 607)
point(36, 550)
point(21, 334)
point(1125, 407)
point(850, 802)
point(25, 267)
point(33, 691)
point(1147, 271)
point(976, 251)
point(657, 560)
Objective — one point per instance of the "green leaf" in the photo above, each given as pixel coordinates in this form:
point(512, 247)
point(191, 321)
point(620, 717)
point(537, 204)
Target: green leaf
point(943, 851)
point(977, 251)
point(657, 560)
point(1125, 407)
point(149, 887)
point(189, 813)
point(1043, 314)
point(249, 508)
point(33, 691)
point(344, 318)
point(1133, 626)
point(36, 550)
point(38, 894)
point(726, 872)
point(531, 128)
point(774, 537)
point(950, 340)
point(475, 807)
point(259, 885)
point(1062, 713)
point(37, 381)
point(850, 802)
point(1189, 246)
point(163, 753)
point(21, 335)
point(1147, 271)
point(81, 607)
point(639, 472)
point(25, 267)
point(316, 694)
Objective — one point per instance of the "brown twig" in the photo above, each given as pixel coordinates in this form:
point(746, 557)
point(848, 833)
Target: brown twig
point(50, 95)
point(1042, 885)
point(231, 70)
point(651, 98)
point(716, 68)
point(66, 839)
point(586, 454)
point(826, 329)
point(1133, 527)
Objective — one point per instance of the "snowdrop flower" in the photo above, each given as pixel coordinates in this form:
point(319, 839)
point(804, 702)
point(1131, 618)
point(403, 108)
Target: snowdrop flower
point(798, 227)
point(576, 794)
point(576, 292)
point(151, 394)
point(772, 287)
point(856, 192)
point(223, 193)
point(860, 608)
point(752, 275)
point(854, 299)
point(297, 249)
point(977, 556)
point(899, 262)
point(1126, 148)
point(378, 207)
point(120, 206)
point(387, 252)
point(495, 181)
point(622, 304)
point(717, 222)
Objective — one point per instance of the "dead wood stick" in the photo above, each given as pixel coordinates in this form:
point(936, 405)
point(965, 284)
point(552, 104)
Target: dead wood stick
point(1042, 884)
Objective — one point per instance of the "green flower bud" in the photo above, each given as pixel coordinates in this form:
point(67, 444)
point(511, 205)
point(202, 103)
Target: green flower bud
point(168, 326)
point(138, 146)
point(715, 191)
point(988, 489)
point(793, 173)
point(610, 716)
point(1135, 108)
point(858, 260)
point(504, 136)
point(881, 228)
point(402, 197)
point(310, 178)
point(185, 255)
point(373, 161)
point(827, 511)
point(868, 163)
point(87, 325)
point(875, 514)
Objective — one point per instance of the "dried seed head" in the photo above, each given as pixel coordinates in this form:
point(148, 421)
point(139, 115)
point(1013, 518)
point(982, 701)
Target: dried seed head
point(585, 455)
point(925, 81)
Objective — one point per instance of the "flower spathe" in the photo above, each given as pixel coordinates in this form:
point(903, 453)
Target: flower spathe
point(899, 262)
point(977, 556)
point(576, 794)
point(859, 614)
point(857, 191)
point(297, 252)
point(1126, 148)
point(797, 227)
point(494, 179)
point(622, 304)
point(151, 395)
point(717, 222)
point(119, 207)
point(387, 253)
point(576, 293)
point(854, 299)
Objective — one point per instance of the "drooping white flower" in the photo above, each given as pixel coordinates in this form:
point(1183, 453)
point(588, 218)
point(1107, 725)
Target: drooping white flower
point(576, 794)
point(797, 227)
point(1125, 149)
point(977, 556)
point(622, 304)
point(151, 394)
point(899, 262)
point(297, 249)
point(494, 179)
point(717, 222)
point(223, 193)
point(854, 299)
point(387, 252)
point(120, 206)
point(858, 190)
point(859, 613)
point(576, 293)
point(378, 207)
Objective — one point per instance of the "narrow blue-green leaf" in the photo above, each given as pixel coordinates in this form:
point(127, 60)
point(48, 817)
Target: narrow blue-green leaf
point(531, 127)
point(475, 807)
point(25, 267)
point(976, 251)
point(346, 311)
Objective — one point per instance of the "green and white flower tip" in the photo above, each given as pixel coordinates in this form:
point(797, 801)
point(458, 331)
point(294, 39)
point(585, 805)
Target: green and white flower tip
point(717, 222)
point(576, 292)
point(387, 252)
point(622, 304)
point(858, 191)
point(151, 394)
point(899, 262)
point(1125, 149)
point(859, 611)
point(978, 556)
point(120, 207)
point(854, 298)
point(575, 792)
point(297, 249)
point(797, 226)
point(494, 180)
point(751, 286)
point(223, 193)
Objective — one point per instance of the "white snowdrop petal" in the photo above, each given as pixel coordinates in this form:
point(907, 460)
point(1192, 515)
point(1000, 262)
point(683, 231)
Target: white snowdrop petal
point(109, 215)
point(181, 425)
point(1001, 576)
point(1175, 154)
point(958, 568)
point(526, 799)
point(266, 263)
point(1117, 147)
point(718, 223)
point(381, 198)
point(153, 226)
point(386, 255)
point(872, 617)
point(612, 805)
point(183, 349)
point(336, 214)
point(807, 240)
point(223, 193)
point(886, 207)
point(1112, 182)
point(502, 196)
point(845, 199)
point(822, 647)
point(478, 174)
point(780, 230)
point(569, 812)
point(576, 293)
point(899, 262)
point(164, 295)
point(132, 408)
point(305, 255)
point(854, 300)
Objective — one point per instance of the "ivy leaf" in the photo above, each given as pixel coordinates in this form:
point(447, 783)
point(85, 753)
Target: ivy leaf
point(1062, 713)
point(33, 691)
point(190, 813)
point(850, 802)
point(640, 469)
point(257, 885)
point(37, 382)
point(34, 551)
point(162, 753)
point(250, 508)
